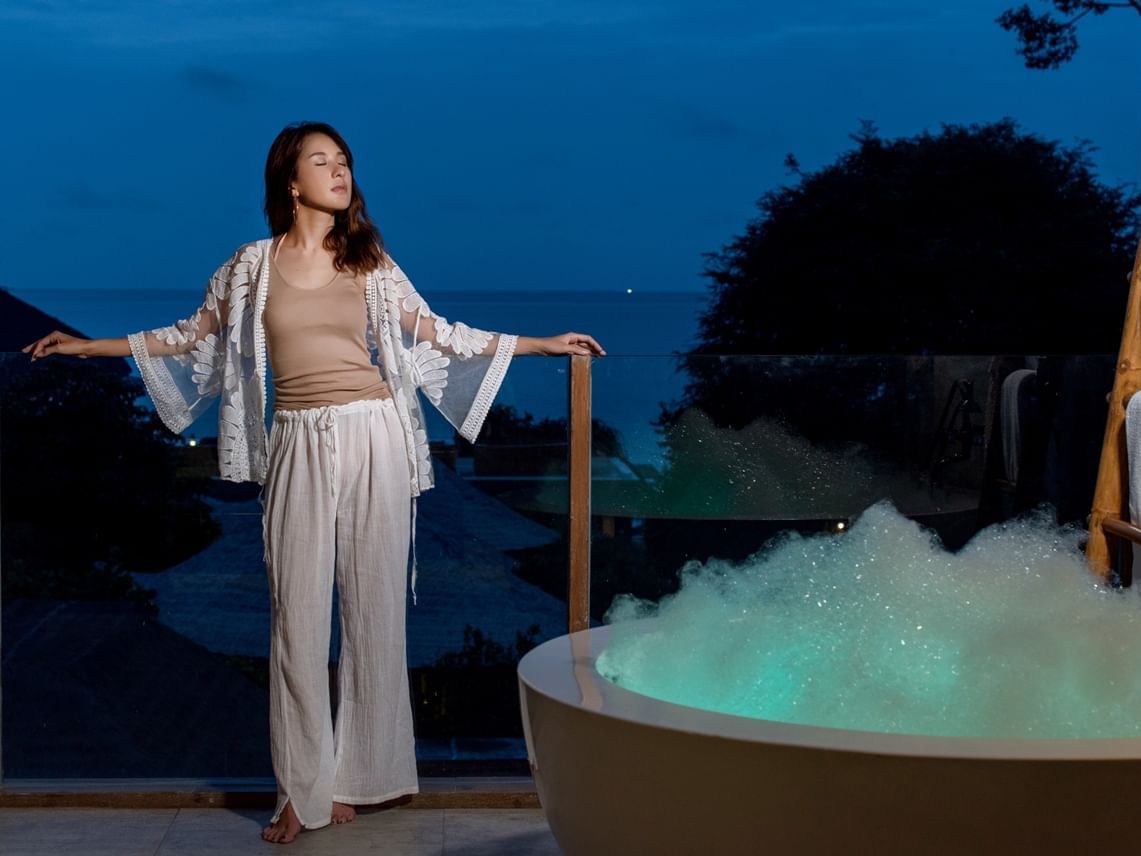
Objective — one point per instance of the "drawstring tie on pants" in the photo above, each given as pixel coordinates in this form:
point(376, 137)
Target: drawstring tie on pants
point(325, 421)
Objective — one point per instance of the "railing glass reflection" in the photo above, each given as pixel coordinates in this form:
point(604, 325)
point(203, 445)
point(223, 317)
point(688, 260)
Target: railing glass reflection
point(738, 449)
point(135, 607)
point(135, 613)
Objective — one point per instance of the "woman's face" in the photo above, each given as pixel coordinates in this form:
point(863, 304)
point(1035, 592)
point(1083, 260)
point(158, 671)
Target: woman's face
point(323, 180)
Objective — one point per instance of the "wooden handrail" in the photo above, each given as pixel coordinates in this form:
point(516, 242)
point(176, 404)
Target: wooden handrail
point(1121, 529)
point(578, 503)
point(1112, 473)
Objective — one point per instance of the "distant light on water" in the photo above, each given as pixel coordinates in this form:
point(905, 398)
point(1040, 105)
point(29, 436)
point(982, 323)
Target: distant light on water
point(629, 291)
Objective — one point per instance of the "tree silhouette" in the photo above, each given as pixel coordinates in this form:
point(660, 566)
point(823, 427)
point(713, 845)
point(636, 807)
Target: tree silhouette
point(977, 239)
point(90, 476)
point(1046, 41)
point(974, 240)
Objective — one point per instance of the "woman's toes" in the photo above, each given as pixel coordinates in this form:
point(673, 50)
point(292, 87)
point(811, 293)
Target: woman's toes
point(343, 813)
point(281, 832)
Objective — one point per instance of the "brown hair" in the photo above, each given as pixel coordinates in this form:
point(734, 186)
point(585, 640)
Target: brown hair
point(354, 240)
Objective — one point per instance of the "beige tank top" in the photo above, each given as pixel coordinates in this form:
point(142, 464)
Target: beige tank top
point(317, 347)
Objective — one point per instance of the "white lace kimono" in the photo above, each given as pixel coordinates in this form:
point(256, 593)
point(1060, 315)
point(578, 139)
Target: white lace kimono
point(220, 351)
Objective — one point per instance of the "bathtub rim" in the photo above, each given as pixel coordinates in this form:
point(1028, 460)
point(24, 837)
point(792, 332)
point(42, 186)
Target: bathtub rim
point(564, 669)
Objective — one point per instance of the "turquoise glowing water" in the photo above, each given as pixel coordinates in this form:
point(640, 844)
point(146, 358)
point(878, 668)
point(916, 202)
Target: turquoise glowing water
point(880, 629)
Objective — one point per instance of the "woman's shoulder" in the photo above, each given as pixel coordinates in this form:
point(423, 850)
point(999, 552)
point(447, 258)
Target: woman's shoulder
point(247, 257)
point(386, 264)
point(389, 269)
point(239, 268)
point(249, 252)
point(251, 248)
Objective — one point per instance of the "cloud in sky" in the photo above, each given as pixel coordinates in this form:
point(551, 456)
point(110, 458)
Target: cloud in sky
point(83, 197)
point(705, 124)
point(221, 84)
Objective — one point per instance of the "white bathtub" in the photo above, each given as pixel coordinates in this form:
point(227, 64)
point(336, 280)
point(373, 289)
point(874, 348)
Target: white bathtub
point(619, 772)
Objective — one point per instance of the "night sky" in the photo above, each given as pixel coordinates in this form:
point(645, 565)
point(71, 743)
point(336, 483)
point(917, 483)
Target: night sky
point(502, 145)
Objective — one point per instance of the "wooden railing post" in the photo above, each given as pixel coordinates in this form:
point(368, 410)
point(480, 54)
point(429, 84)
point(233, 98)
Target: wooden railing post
point(578, 485)
point(1110, 494)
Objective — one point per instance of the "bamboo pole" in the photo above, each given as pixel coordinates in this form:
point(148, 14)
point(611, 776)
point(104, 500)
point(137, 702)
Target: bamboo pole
point(578, 465)
point(1110, 494)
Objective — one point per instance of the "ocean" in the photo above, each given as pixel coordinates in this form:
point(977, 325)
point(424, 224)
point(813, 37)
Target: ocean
point(640, 330)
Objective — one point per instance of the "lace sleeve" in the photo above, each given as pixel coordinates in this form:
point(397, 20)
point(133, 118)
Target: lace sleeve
point(423, 325)
point(458, 368)
point(183, 364)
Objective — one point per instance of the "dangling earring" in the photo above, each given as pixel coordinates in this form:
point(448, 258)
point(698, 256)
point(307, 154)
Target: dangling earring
point(295, 197)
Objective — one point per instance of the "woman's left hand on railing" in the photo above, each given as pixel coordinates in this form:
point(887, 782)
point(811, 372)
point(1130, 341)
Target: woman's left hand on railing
point(566, 344)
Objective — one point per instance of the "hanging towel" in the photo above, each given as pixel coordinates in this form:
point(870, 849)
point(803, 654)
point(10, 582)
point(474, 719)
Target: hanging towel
point(1017, 389)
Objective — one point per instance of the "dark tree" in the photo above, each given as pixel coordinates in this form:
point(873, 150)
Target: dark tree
point(972, 240)
point(1046, 41)
point(978, 239)
point(89, 483)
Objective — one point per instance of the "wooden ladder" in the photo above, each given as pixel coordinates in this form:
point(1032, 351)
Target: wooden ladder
point(1109, 518)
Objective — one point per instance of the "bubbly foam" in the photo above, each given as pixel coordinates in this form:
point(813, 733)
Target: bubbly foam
point(881, 629)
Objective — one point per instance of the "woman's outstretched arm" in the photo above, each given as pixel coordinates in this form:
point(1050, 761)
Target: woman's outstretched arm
point(180, 338)
point(182, 366)
point(464, 342)
point(61, 343)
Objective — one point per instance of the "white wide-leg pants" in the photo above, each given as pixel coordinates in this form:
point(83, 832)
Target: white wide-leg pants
point(337, 499)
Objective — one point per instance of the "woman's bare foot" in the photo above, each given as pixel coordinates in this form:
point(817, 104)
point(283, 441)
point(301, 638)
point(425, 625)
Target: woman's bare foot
point(343, 813)
point(286, 828)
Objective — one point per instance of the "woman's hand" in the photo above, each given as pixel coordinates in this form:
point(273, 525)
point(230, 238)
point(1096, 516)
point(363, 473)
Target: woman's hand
point(575, 344)
point(58, 343)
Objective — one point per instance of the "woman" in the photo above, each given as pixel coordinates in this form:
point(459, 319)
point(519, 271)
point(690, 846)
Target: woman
point(342, 466)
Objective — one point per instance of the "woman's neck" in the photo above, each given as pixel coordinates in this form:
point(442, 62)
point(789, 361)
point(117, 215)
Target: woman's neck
point(307, 234)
